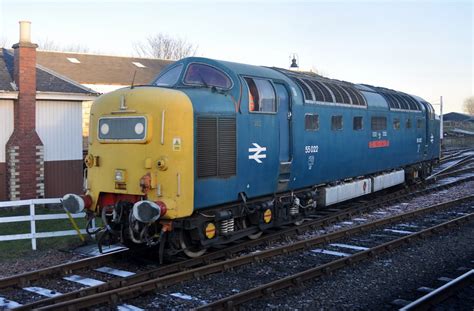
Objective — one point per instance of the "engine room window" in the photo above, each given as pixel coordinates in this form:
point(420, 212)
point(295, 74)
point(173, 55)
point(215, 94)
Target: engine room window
point(311, 122)
point(419, 123)
point(336, 123)
point(170, 77)
point(408, 124)
point(200, 74)
point(396, 124)
point(261, 95)
point(357, 124)
point(378, 123)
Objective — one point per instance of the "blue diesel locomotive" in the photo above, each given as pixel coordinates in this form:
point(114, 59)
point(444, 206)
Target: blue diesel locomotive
point(253, 148)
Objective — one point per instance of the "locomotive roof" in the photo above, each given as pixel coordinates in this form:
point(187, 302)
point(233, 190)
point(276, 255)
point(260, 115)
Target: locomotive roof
point(242, 69)
point(317, 88)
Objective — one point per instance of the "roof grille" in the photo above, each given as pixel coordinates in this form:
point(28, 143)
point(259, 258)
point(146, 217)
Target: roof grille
point(318, 89)
point(398, 100)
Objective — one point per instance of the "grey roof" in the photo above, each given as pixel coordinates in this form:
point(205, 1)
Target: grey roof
point(5, 77)
point(46, 80)
point(456, 116)
point(102, 69)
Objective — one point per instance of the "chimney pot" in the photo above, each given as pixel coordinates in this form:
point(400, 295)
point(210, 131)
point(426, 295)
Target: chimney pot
point(25, 32)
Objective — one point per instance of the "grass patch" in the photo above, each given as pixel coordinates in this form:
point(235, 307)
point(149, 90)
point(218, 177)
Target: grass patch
point(22, 248)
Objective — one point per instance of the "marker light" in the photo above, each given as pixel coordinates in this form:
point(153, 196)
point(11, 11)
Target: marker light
point(120, 176)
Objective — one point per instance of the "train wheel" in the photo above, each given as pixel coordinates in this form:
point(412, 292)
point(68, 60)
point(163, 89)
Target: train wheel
point(190, 248)
point(253, 236)
point(299, 222)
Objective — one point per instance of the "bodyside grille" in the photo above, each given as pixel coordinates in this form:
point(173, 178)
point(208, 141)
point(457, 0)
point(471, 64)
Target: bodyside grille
point(216, 146)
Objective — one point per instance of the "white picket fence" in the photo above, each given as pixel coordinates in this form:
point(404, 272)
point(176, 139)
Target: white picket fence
point(33, 218)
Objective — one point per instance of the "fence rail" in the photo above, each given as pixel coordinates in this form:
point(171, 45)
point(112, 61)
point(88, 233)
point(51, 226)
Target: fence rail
point(33, 218)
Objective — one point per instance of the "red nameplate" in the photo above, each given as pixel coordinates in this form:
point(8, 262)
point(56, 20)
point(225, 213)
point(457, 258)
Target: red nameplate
point(379, 143)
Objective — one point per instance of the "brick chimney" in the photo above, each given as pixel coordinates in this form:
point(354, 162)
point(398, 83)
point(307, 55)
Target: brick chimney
point(24, 149)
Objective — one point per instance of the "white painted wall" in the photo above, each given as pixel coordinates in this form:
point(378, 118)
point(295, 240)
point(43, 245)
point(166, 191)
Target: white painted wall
point(6, 125)
point(59, 125)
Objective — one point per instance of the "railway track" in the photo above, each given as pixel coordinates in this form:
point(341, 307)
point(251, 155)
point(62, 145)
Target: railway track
point(325, 218)
point(173, 271)
point(128, 290)
point(361, 254)
point(436, 296)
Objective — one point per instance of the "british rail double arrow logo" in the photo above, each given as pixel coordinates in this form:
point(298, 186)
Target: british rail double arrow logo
point(257, 153)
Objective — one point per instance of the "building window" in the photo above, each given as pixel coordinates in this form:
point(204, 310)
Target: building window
point(261, 95)
point(408, 124)
point(336, 123)
point(139, 65)
point(357, 124)
point(419, 123)
point(207, 76)
point(396, 124)
point(379, 123)
point(170, 77)
point(73, 60)
point(311, 122)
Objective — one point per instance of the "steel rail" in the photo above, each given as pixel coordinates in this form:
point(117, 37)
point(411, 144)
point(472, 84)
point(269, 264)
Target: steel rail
point(128, 291)
point(456, 172)
point(297, 279)
point(241, 247)
point(441, 293)
point(454, 154)
point(452, 166)
point(24, 278)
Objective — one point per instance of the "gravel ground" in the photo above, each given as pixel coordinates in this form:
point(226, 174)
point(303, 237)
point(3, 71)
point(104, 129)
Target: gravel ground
point(216, 286)
point(463, 300)
point(42, 259)
point(374, 285)
point(36, 260)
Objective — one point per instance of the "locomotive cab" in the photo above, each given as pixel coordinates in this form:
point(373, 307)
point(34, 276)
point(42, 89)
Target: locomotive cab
point(140, 162)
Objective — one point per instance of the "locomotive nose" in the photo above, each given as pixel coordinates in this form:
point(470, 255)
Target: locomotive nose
point(141, 150)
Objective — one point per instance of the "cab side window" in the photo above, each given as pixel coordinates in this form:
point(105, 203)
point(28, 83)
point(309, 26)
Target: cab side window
point(170, 77)
point(261, 95)
point(201, 74)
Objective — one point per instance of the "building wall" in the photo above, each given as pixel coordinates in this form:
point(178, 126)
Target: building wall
point(6, 129)
point(86, 113)
point(59, 125)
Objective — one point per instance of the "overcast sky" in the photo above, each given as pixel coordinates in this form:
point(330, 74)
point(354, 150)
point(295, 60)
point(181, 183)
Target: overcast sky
point(419, 47)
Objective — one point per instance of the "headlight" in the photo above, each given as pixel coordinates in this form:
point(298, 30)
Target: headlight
point(139, 128)
point(120, 176)
point(104, 129)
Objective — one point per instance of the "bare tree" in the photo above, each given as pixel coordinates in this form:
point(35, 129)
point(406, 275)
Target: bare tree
point(3, 42)
point(51, 45)
point(165, 46)
point(469, 105)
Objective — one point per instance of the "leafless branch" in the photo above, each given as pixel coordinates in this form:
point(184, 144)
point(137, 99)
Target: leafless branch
point(469, 105)
point(165, 47)
point(51, 45)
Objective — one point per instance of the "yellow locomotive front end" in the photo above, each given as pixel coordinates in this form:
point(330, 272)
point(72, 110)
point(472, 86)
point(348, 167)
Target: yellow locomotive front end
point(140, 167)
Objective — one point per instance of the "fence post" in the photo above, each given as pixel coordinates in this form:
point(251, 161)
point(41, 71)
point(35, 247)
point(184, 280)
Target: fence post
point(33, 225)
